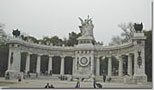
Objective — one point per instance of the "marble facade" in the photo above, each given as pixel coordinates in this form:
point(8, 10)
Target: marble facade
point(85, 56)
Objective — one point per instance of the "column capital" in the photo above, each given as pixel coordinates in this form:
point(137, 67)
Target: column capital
point(39, 54)
point(51, 55)
point(129, 54)
point(62, 56)
point(109, 56)
point(119, 56)
point(73, 57)
point(97, 57)
point(29, 53)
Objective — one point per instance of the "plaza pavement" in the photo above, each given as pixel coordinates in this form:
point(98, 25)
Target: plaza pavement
point(40, 83)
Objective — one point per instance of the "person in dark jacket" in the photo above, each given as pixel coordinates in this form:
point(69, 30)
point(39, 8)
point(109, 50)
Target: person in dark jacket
point(51, 86)
point(19, 78)
point(47, 86)
point(104, 78)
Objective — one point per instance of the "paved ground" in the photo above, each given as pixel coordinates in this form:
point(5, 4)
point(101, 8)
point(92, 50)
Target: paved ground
point(34, 83)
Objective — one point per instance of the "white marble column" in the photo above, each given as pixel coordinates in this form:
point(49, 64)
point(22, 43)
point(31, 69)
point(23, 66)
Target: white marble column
point(50, 63)
point(27, 63)
point(129, 65)
point(120, 66)
point(98, 66)
point(109, 66)
point(92, 65)
point(73, 66)
point(62, 66)
point(9, 60)
point(38, 64)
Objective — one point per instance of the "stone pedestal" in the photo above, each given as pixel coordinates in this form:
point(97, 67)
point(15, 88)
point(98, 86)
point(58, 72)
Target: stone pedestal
point(129, 80)
point(139, 58)
point(14, 62)
point(13, 74)
point(140, 79)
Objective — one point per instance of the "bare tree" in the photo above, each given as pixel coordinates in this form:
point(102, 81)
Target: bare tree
point(128, 31)
point(115, 40)
point(2, 34)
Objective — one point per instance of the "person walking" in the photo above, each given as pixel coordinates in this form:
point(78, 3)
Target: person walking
point(104, 78)
point(94, 83)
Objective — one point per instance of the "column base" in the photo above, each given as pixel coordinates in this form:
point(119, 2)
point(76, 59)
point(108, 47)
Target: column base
point(140, 78)
point(13, 74)
point(129, 80)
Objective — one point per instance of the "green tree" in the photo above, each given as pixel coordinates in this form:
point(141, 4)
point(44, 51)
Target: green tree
point(72, 39)
point(55, 40)
point(33, 39)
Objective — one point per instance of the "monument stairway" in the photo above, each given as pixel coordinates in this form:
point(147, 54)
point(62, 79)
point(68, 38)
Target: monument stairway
point(113, 79)
point(43, 77)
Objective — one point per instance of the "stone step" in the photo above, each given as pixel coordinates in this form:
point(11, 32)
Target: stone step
point(113, 78)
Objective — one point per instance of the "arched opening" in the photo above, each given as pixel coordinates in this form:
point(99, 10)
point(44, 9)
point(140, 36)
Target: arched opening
point(56, 64)
point(23, 61)
point(103, 66)
point(68, 64)
point(33, 61)
point(44, 64)
point(115, 66)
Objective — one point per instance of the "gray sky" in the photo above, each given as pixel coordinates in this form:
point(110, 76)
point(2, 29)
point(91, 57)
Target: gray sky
point(59, 17)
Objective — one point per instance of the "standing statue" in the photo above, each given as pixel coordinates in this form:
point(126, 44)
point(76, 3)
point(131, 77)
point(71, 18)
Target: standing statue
point(86, 27)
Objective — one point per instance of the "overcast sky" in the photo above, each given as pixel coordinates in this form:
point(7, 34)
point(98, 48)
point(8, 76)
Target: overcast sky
point(60, 17)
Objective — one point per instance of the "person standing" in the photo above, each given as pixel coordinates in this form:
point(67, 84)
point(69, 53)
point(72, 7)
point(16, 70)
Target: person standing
point(47, 86)
point(51, 86)
point(50, 73)
point(36, 75)
point(104, 78)
point(19, 78)
point(28, 73)
point(78, 83)
point(94, 83)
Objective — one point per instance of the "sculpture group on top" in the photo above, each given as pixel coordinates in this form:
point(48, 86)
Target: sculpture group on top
point(86, 27)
